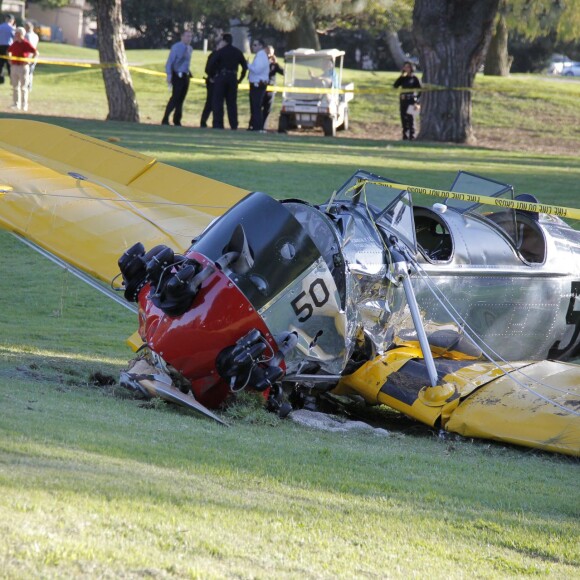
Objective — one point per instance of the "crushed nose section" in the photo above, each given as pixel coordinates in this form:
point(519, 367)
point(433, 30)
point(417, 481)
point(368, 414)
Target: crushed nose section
point(150, 381)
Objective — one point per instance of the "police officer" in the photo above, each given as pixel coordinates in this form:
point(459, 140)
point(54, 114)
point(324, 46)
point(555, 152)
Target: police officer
point(209, 85)
point(223, 68)
point(408, 81)
point(177, 70)
point(7, 30)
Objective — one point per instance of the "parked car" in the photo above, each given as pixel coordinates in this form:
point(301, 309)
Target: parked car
point(558, 63)
point(572, 70)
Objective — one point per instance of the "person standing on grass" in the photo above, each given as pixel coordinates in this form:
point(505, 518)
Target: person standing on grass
point(7, 31)
point(20, 69)
point(275, 69)
point(209, 84)
point(258, 77)
point(224, 69)
point(178, 75)
point(33, 38)
point(409, 98)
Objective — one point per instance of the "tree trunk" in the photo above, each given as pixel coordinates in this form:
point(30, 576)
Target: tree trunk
point(497, 60)
point(240, 36)
point(304, 35)
point(118, 84)
point(395, 49)
point(452, 38)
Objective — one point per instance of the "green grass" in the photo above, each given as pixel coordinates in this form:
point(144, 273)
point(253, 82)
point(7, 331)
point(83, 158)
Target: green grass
point(523, 112)
point(95, 483)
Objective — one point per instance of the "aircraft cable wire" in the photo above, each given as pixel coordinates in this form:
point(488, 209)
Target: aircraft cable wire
point(123, 199)
point(458, 319)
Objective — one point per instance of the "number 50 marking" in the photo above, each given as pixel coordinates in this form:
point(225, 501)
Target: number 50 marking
point(319, 295)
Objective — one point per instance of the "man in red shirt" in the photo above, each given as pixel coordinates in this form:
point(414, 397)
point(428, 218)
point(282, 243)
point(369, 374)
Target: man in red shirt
point(20, 69)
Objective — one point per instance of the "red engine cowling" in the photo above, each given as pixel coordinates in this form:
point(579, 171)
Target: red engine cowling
point(218, 316)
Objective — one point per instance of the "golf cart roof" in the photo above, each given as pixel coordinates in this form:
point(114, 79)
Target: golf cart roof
point(309, 52)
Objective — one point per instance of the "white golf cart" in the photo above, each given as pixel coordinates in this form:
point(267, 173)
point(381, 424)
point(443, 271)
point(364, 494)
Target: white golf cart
point(314, 95)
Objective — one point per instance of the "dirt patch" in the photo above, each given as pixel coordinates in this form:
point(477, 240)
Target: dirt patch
point(495, 138)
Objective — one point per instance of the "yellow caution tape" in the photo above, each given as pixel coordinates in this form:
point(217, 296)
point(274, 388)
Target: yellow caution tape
point(426, 88)
point(562, 212)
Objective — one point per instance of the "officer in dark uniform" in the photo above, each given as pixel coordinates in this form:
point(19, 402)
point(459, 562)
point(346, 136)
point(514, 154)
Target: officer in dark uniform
point(408, 81)
point(223, 68)
point(209, 85)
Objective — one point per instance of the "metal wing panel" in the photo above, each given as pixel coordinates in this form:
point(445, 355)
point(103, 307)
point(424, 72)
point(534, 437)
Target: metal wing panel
point(87, 201)
point(505, 411)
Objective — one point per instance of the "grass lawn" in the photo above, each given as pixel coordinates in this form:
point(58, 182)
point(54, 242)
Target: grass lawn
point(94, 483)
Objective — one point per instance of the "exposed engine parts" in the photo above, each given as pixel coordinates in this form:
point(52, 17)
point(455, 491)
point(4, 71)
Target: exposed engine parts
point(252, 362)
point(174, 279)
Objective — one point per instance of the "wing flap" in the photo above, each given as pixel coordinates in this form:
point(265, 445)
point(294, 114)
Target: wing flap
point(87, 201)
point(544, 413)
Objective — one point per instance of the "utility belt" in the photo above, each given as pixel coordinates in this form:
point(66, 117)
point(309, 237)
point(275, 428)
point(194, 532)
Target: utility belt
point(181, 75)
point(227, 71)
point(259, 84)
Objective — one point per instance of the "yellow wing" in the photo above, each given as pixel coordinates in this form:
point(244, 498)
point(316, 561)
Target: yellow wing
point(534, 404)
point(87, 201)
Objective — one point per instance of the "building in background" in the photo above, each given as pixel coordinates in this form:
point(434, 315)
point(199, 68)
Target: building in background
point(67, 23)
point(14, 7)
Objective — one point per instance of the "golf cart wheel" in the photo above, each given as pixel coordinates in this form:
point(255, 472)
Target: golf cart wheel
point(329, 127)
point(344, 126)
point(283, 123)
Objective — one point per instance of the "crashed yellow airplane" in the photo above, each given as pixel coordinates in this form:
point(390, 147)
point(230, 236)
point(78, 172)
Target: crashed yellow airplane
point(460, 314)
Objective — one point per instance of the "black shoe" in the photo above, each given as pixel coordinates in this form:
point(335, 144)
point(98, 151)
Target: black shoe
point(203, 125)
point(165, 122)
point(177, 124)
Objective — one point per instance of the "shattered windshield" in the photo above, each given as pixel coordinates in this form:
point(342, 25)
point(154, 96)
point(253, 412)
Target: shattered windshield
point(390, 207)
point(503, 218)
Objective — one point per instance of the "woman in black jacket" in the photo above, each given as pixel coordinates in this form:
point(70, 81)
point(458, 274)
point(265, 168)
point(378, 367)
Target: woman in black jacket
point(409, 99)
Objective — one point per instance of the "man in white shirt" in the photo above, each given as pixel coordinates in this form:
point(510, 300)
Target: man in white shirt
point(258, 77)
point(33, 38)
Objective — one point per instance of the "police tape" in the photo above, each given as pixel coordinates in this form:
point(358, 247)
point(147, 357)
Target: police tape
point(426, 88)
point(562, 212)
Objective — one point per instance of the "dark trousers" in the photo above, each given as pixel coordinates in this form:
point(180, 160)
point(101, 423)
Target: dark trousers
point(408, 121)
point(4, 52)
point(178, 94)
point(207, 108)
point(256, 97)
point(225, 87)
point(267, 103)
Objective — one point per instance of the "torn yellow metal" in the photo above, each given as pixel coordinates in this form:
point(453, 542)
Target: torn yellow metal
point(534, 404)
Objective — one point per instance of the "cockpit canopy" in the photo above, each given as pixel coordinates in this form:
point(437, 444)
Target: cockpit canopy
point(407, 216)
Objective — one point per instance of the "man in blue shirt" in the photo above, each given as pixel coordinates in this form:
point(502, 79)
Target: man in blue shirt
point(177, 70)
point(7, 30)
